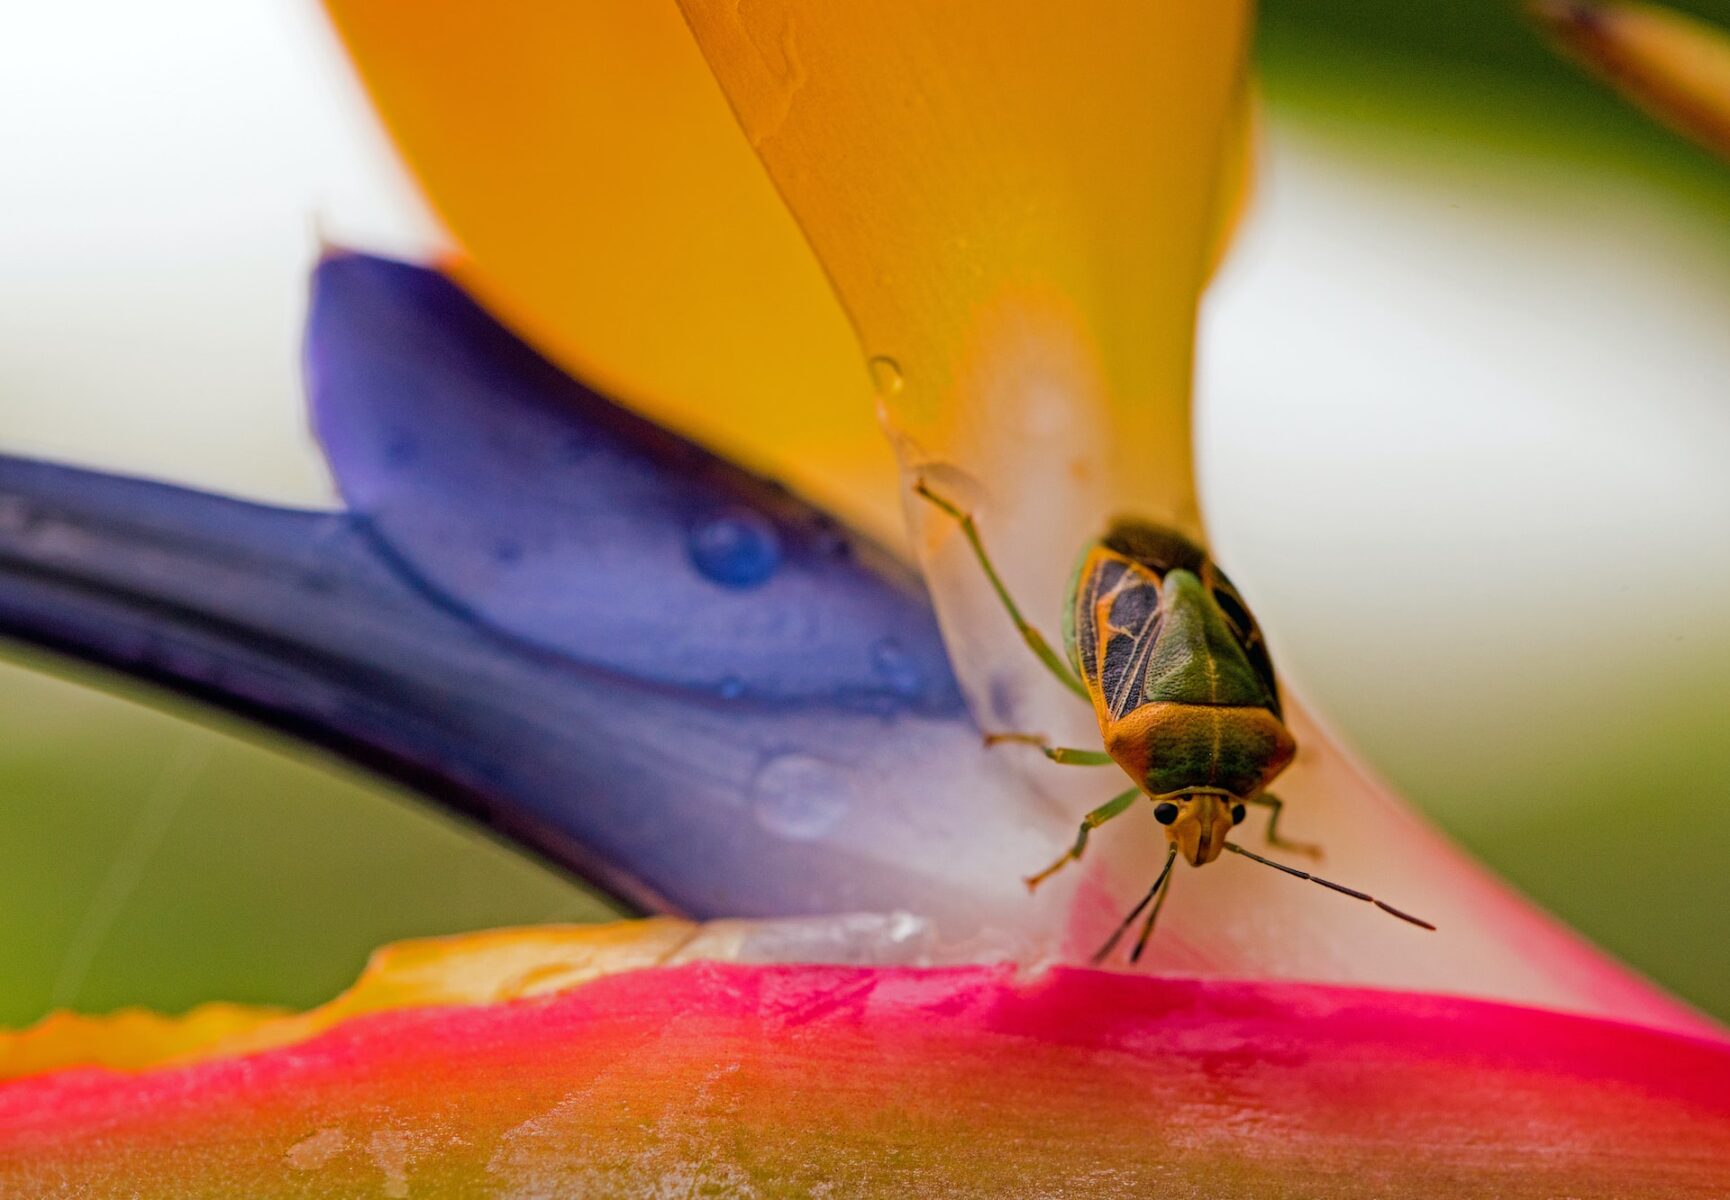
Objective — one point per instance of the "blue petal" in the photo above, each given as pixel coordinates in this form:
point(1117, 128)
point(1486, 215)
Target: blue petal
point(523, 499)
point(711, 721)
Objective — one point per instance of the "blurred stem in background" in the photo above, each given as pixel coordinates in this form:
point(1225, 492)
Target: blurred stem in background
point(1532, 664)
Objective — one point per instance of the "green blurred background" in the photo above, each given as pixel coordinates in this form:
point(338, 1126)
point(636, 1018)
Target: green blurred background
point(1545, 670)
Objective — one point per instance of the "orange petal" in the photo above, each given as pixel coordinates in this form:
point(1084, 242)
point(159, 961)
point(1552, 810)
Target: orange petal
point(612, 213)
point(1674, 66)
point(1016, 204)
point(1237, 173)
point(718, 1078)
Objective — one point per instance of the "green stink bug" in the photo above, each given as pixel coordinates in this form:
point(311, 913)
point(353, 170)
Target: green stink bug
point(1168, 654)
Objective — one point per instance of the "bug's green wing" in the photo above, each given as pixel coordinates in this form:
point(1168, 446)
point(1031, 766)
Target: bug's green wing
point(1113, 622)
point(1247, 631)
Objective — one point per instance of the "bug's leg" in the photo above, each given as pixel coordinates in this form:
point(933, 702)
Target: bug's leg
point(1035, 640)
point(1308, 849)
point(1067, 756)
point(1104, 952)
point(1114, 807)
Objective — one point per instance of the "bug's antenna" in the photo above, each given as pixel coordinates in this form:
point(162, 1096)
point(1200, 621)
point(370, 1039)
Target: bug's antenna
point(1327, 883)
point(1152, 916)
point(1104, 951)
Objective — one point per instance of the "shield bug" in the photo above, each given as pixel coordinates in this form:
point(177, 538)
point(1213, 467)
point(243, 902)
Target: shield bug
point(1168, 654)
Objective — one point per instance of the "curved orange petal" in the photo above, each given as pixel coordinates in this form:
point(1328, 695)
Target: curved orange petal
point(1237, 173)
point(1016, 205)
point(1674, 66)
point(612, 213)
point(728, 1079)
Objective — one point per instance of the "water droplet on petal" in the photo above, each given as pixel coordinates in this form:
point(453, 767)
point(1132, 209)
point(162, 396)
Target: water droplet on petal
point(897, 668)
point(886, 375)
point(738, 548)
point(801, 797)
point(731, 688)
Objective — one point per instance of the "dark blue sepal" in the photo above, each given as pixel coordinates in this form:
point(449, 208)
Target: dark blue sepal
point(560, 643)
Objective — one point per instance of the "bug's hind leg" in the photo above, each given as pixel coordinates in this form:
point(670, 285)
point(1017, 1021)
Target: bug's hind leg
point(1035, 640)
point(1067, 756)
point(1114, 807)
point(1308, 849)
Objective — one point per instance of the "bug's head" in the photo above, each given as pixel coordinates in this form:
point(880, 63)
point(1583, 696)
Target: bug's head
point(1198, 822)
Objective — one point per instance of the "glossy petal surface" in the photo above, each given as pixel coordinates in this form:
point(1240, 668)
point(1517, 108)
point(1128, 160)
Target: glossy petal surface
point(611, 211)
point(521, 498)
point(1016, 205)
point(734, 1080)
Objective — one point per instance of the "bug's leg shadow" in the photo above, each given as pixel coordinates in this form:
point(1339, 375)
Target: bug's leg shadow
point(1067, 756)
point(1114, 807)
point(1277, 806)
point(1035, 640)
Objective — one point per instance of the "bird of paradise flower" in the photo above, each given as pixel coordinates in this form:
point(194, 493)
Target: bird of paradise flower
point(528, 578)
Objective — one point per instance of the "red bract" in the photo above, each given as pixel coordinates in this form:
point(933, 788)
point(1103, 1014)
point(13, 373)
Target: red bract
point(730, 1080)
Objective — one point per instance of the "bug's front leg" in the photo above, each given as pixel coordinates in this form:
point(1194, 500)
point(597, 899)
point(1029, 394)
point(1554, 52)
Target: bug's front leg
point(1308, 849)
point(1035, 640)
point(1067, 756)
point(1114, 807)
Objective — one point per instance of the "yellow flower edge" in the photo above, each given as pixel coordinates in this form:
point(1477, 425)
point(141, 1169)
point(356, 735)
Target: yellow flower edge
point(492, 967)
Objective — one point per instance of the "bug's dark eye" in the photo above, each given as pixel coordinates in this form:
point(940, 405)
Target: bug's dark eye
point(1237, 814)
point(1165, 813)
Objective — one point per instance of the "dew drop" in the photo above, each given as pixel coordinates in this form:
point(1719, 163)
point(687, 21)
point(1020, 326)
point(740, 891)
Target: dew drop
point(801, 797)
point(886, 375)
point(897, 668)
point(738, 548)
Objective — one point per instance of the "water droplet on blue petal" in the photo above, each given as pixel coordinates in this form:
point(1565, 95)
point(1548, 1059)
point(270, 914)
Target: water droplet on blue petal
point(738, 548)
point(897, 668)
point(800, 796)
point(731, 688)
